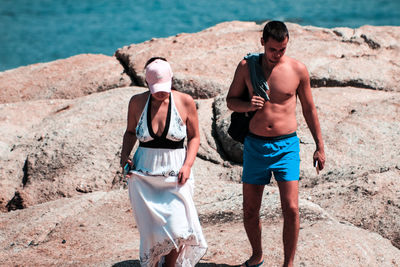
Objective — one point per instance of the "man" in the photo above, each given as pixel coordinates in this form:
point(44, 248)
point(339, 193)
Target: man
point(272, 145)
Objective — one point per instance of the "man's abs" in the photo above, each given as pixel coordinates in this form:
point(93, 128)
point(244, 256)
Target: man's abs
point(271, 121)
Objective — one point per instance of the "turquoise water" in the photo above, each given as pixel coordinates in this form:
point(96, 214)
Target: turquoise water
point(34, 31)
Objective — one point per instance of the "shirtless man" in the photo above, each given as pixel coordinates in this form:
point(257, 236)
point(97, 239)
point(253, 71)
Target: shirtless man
point(272, 145)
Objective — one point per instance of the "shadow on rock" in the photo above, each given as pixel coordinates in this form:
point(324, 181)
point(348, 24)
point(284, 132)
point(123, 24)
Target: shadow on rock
point(208, 264)
point(129, 263)
point(136, 263)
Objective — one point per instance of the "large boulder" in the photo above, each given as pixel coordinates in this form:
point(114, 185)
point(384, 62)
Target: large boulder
point(209, 148)
point(70, 148)
point(222, 117)
point(362, 57)
point(65, 78)
point(369, 200)
point(362, 120)
point(362, 143)
point(61, 165)
point(18, 123)
point(204, 62)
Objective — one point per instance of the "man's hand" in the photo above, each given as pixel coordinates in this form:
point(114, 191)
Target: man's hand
point(256, 103)
point(183, 174)
point(319, 159)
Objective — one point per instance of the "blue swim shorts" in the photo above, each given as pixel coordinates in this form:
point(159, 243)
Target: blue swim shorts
point(263, 156)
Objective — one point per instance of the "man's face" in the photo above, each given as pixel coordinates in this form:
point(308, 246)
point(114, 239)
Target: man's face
point(274, 50)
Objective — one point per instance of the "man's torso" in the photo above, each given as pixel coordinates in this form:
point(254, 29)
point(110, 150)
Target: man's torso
point(278, 116)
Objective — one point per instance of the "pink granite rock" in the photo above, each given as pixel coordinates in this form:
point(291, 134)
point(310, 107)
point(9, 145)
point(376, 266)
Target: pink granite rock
point(59, 159)
point(65, 78)
point(204, 62)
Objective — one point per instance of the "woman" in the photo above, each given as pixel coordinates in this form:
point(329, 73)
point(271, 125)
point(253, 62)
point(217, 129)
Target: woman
point(161, 182)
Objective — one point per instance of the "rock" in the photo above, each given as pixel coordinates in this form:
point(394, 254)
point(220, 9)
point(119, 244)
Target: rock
point(349, 246)
point(226, 206)
point(204, 63)
point(68, 231)
point(348, 57)
point(70, 151)
point(372, 198)
point(76, 231)
point(233, 149)
point(209, 149)
point(354, 109)
point(17, 131)
point(361, 134)
point(59, 159)
point(65, 78)
point(360, 130)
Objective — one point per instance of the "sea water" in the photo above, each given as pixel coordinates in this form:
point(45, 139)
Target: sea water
point(46, 30)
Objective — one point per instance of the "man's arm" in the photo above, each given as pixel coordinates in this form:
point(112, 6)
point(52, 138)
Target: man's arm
point(310, 115)
point(237, 89)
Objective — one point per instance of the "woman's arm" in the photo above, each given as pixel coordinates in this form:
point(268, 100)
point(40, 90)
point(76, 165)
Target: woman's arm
point(193, 138)
point(129, 138)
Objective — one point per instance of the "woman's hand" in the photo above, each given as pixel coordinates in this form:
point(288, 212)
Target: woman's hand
point(183, 174)
point(127, 174)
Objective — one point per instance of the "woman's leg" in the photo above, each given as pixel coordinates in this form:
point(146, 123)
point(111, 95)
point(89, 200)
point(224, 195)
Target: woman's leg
point(170, 259)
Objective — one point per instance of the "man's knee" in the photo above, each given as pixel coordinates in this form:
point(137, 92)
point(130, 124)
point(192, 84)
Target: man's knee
point(250, 212)
point(290, 210)
point(252, 197)
point(250, 216)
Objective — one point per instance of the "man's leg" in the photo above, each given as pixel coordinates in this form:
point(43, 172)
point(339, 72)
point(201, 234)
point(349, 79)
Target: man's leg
point(289, 192)
point(252, 197)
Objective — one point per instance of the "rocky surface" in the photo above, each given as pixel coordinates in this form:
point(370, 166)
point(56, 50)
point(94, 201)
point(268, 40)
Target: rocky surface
point(204, 63)
point(64, 201)
point(79, 139)
point(65, 78)
point(97, 229)
point(352, 120)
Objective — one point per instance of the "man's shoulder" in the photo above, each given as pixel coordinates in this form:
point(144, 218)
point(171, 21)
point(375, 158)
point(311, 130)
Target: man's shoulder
point(243, 63)
point(243, 67)
point(296, 64)
point(253, 56)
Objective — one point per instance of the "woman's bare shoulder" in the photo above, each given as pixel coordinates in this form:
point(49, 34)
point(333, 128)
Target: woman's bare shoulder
point(183, 97)
point(185, 104)
point(137, 102)
point(140, 97)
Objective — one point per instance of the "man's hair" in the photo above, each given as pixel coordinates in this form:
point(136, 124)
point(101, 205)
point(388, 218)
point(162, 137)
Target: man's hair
point(276, 30)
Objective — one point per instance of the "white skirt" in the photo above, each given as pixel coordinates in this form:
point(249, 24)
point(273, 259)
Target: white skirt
point(163, 209)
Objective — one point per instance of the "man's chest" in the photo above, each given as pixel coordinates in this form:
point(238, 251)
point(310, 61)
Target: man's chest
point(282, 86)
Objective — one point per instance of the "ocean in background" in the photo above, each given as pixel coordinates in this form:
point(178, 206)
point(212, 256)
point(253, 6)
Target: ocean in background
point(46, 30)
